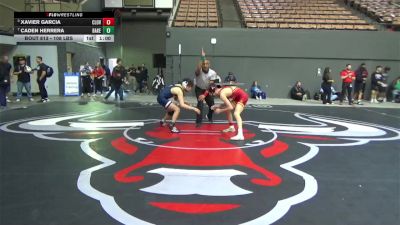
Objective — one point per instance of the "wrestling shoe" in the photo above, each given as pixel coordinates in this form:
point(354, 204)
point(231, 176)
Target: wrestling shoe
point(228, 130)
point(238, 137)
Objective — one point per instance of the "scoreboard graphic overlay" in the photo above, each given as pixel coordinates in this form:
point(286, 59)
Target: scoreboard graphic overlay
point(64, 26)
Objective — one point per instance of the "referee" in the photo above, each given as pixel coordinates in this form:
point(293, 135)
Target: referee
point(202, 82)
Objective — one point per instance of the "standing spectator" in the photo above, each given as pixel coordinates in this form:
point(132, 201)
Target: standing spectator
point(256, 92)
point(24, 79)
point(347, 75)
point(145, 78)
point(139, 80)
point(203, 75)
point(376, 83)
point(98, 74)
point(117, 78)
point(359, 83)
point(327, 86)
point(41, 79)
point(108, 74)
point(231, 79)
point(86, 73)
point(297, 92)
point(145, 72)
point(385, 78)
point(5, 75)
point(132, 77)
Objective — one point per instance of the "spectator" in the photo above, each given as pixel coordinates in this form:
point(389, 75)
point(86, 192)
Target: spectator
point(86, 73)
point(158, 82)
point(326, 86)
point(41, 79)
point(383, 89)
point(24, 79)
point(396, 90)
point(132, 77)
point(98, 74)
point(108, 74)
point(376, 83)
point(143, 78)
point(335, 94)
point(347, 75)
point(118, 76)
point(231, 79)
point(145, 72)
point(298, 93)
point(256, 92)
point(5, 75)
point(360, 81)
point(203, 76)
point(139, 80)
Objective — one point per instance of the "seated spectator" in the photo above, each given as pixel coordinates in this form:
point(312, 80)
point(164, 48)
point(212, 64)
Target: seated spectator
point(298, 93)
point(335, 94)
point(230, 78)
point(256, 92)
point(396, 90)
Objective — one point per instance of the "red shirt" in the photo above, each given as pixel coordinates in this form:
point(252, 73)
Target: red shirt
point(347, 72)
point(98, 72)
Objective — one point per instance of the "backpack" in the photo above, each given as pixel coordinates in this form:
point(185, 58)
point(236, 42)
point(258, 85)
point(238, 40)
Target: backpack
point(49, 71)
point(316, 96)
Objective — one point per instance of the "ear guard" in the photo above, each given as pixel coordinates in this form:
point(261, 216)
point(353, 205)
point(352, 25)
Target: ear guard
point(184, 84)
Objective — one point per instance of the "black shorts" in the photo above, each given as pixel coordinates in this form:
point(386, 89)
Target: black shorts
point(374, 87)
point(381, 89)
point(359, 87)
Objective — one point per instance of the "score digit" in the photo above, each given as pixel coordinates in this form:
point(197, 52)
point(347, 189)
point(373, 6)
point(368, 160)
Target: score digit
point(108, 21)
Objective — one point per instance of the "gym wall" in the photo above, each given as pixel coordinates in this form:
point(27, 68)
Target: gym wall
point(137, 42)
point(278, 58)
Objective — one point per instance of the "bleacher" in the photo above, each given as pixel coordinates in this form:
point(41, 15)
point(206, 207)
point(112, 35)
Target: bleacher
point(197, 13)
point(383, 11)
point(292, 14)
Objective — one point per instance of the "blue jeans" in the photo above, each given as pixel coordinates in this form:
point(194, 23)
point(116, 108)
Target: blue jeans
point(27, 86)
point(118, 91)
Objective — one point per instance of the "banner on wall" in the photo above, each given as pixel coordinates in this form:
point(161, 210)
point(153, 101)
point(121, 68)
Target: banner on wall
point(71, 84)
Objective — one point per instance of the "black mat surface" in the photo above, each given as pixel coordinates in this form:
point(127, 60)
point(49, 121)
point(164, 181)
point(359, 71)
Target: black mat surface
point(75, 163)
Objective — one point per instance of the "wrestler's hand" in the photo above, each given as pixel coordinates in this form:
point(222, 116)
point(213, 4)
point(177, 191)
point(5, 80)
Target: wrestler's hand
point(214, 107)
point(217, 110)
point(197, 111)
point(201, 97)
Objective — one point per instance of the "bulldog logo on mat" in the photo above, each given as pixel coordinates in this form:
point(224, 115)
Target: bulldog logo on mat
point(148, 175)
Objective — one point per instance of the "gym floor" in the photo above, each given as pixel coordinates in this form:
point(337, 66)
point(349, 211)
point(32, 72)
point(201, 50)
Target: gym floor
point(89, 162)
